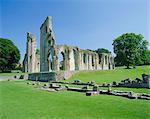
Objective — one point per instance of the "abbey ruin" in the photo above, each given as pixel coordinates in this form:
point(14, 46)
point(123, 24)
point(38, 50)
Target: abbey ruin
point(31, 62)
point(72, 58)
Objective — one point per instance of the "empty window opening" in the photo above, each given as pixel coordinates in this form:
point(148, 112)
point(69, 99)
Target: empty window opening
point(99, 58)
point(84, 58)
point(50, 62)
point(61, 61)
point(46, 29)
point(92, 60)
point(105, 59)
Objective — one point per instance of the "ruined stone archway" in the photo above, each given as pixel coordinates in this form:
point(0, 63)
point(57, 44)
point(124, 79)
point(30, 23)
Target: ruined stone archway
point(93, 62)
point(85, 61)
point(51, 59)
point(106, 61)
point(50, 62)
point(72, 57)
point(84, 58)
point(61, 61)
point(99, 58)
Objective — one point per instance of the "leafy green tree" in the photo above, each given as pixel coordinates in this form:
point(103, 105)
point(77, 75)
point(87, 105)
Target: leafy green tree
point(147, 57)
point(102, 50)
point(130, 49)
point(145, 53)
point(9, 55)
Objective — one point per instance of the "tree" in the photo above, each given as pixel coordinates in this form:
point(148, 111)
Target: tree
point(102, 50)
point(9, 55)
point(144, 53)
point(147, 57)
point(130, 49)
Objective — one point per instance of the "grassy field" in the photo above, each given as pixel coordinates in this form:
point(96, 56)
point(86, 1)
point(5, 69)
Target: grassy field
point(111, 75)
point(13, 73)
point(21, 101)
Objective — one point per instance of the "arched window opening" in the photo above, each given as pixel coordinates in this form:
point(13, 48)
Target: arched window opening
point(46, 30)
point(84, 58)
point(61, 59)
point(99, 58)
point(49, 41)
point(105, 59)
point(75, 59)
point(109, 66)
point(92, 60)
point(111, 60)
point(52, 42)
point(50, 62)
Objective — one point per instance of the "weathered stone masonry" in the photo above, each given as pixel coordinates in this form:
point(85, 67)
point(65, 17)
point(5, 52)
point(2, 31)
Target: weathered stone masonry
point(54, 58)
point(73, 58)
point(31, 62)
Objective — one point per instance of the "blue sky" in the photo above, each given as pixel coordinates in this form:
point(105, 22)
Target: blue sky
point(89, 24)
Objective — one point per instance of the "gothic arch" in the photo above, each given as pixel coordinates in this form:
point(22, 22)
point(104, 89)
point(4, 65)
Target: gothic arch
point(61, 60)
point(50, 60)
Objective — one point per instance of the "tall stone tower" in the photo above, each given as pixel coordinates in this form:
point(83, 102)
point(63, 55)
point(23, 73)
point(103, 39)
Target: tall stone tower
point(31, 52)
point(46, 43)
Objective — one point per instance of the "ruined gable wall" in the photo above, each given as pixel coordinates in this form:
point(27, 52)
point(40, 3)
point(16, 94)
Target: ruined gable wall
point(31, 60)
point(31, 46)
point(46, 39)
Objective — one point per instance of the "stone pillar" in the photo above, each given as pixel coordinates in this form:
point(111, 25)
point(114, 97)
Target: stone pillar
point(103, 61)
point(81, 61)
point(89, 62)
point(96, 61)
point(71, 60)
point(31, 53)
point(78, 60)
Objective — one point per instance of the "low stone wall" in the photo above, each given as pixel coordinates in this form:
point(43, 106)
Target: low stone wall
point(137, 83)
point(42, 76)
point(65, 74)
point(51, 76)
point(95, 90)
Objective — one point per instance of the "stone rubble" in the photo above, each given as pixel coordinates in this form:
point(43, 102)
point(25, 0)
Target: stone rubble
point(95, 90)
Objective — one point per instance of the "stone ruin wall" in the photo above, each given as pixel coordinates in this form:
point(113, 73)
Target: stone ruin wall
point(31, 62)
point(72, 58)
point(75, 58)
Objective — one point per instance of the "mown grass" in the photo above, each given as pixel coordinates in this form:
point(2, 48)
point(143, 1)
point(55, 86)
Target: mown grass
point(137, 90)
point(109, 76)
point(21, 101)
point(13, 73)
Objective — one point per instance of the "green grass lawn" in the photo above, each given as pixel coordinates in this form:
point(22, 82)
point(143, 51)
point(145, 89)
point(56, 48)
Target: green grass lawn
point(110, 75)
point(21, 101)
point(13, 73)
